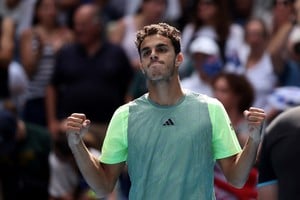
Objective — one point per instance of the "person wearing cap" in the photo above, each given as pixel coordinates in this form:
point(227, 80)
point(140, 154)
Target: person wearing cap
point(279, 162)
point(169, 138)
point(206, 64)
point(24, 150)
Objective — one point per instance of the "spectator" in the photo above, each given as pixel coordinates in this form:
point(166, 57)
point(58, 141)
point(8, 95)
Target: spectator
point(24, 152)
point(236, 93)
point(13, 80)
point(290, 74)
point(88, 68)
point(212, 18)
point(207, 64)
point(283, 20)
point(278, 163)
point(38, 48)
point(256, 62)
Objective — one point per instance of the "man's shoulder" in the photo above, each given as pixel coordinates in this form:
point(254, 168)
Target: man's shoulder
point(200, 97)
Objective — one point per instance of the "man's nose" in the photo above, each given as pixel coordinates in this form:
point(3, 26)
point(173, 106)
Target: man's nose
point(153, 55)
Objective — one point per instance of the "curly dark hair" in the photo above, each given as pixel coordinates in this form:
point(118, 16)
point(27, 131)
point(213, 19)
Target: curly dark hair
point(163, 29)
point(241, 86)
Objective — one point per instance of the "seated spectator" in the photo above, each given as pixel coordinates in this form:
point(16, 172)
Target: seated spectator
point(206, 65)
point(236, 94)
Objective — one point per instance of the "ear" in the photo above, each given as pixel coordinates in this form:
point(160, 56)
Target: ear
point(179, 59)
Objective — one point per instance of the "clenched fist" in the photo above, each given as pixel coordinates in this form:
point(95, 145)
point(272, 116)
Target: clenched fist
point(76, 126)
point(255, 118)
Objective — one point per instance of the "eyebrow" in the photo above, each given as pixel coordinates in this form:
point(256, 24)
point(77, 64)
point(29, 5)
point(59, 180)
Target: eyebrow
point(158, 45)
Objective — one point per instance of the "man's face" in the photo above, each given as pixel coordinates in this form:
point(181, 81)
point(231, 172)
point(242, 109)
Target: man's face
point(282, 10)
point(158, 59)
point(154, 10)
point(255, 34)
point(87, 28)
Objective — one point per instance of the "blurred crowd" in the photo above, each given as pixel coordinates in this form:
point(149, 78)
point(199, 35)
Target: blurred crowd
point(63, 56)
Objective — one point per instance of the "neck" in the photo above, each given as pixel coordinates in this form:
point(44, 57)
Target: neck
point(165, 92)
point(49, 28)
point(256, 53)
point(92, 48)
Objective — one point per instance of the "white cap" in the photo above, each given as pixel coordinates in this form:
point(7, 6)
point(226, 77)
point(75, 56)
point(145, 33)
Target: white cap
point(204, 45)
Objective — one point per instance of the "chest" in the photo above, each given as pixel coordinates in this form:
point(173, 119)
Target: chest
point(164, 132)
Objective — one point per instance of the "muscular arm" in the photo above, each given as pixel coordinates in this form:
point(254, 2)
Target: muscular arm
point(236, 168)
point(100, 177)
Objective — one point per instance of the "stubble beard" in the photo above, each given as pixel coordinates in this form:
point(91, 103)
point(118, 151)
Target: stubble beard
point(156, 77)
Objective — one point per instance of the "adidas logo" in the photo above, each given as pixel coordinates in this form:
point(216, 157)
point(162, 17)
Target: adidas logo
point(169, 122)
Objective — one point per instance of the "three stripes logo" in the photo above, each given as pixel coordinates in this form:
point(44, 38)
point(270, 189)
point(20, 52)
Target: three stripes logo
point(169, 122)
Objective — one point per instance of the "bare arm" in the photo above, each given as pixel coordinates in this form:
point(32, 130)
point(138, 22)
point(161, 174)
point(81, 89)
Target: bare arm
point(7, 41)
point(277, 44)
point(101, 177)
point(268, 192)
point(279, 39)
point(236, 168)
